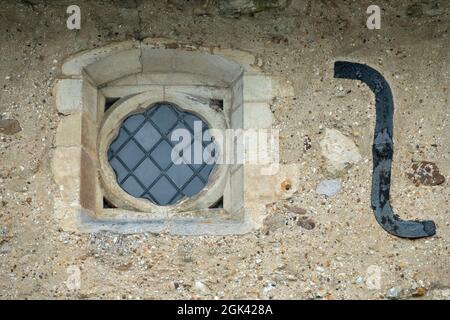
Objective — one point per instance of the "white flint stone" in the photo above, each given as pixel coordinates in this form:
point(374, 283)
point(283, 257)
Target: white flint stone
point(339, 151)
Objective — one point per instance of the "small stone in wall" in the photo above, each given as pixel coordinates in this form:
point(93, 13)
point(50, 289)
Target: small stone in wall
point(278, 39)
point(307, 143)
point(419, 292)
point(329, 188)
point(296, 210)
point(339, 151)
point(425, 173)
point(392, 293)
point(306, 223)
point(9, 126)
point(273, 222)
point(200, 287)
point(415, 10)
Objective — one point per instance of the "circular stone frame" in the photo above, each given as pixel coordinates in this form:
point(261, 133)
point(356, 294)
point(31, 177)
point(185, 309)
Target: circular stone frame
point(139, 103)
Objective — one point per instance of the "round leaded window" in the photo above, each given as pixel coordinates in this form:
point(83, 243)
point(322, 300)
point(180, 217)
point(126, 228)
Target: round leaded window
point(141, 142)
point(142, 155)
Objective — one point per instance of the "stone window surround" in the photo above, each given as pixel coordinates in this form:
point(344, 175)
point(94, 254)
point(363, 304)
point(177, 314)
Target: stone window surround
point(161, 68)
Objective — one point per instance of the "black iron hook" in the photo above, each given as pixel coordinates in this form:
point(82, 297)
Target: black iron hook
point(382, 152)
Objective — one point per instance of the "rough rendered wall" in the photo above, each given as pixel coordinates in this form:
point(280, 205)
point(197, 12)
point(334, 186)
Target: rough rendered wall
point(311, 246)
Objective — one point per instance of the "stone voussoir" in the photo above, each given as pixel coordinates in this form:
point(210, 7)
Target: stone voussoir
point(76, 95)
point(74, 65)
point(77, 130)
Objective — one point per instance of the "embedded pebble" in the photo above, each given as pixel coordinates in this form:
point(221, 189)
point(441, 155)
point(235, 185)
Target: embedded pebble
point(392, 293)
point(296, 210)
point(339, 151)
point(200, 287)
point(425, 173)
point(329, 188)
point(306, 223)
point(9, 126)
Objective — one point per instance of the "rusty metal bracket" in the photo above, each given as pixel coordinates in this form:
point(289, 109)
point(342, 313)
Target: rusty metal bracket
point(382, 152)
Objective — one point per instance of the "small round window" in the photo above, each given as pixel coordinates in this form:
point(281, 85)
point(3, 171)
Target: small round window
point(142, 155)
